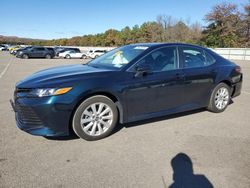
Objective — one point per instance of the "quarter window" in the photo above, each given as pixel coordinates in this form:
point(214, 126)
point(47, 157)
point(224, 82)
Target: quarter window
point(163, 59)
point(209, 59)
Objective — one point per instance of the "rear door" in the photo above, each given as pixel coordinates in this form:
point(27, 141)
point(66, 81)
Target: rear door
point(200, 73)
point(38, 52)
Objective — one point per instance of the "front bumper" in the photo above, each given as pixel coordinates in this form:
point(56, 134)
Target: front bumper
point(42, 116)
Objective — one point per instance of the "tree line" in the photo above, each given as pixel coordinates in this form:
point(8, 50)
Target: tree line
point(227, 25)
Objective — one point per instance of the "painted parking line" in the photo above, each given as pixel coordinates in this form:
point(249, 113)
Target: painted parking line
point(6, 68)
point(245, 92)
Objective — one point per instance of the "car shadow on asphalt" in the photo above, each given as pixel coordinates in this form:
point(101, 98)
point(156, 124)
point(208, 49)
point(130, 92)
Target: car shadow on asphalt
point(162, 118)
point(71, 136)
point(119, 127)
point(183, 175)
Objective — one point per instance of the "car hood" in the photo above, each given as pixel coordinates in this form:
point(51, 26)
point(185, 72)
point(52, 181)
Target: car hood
point(58, 76)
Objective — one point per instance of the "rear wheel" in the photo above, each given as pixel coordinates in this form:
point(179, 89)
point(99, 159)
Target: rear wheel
point(95, 118)
point(220, 98)
point(48, 56)
point(67, 57)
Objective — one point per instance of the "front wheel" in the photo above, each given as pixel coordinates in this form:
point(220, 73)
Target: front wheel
point(220, 98)
point(25, 56)
point(84, 57)
point(95, 118)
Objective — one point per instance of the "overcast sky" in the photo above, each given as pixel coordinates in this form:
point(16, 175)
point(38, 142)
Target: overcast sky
point(48, 19)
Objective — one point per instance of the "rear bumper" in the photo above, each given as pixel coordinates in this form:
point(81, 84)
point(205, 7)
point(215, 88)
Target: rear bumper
point(43, 117)
point(237, 89)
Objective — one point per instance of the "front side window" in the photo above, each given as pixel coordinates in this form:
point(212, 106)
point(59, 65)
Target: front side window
point(118, 57)
point(162, 59)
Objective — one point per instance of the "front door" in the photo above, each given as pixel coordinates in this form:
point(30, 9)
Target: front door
point(159, 89)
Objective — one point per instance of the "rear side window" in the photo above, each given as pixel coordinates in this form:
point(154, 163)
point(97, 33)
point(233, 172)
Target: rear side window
point(39, 49)
point(50, 49)
point(193, 57)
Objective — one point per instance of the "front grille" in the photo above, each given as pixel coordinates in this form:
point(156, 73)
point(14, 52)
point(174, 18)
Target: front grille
point(18, 90)
point(21, 92)
point(27, 116)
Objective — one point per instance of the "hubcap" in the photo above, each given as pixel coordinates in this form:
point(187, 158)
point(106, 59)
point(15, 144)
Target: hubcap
point(96, 119)
point(221, 98)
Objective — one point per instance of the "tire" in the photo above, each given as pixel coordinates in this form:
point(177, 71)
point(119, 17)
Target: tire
point(67, 57)
point(48, 56)
point(97, 125)
point(25, 56)
point(219, 101)
point(84, 57)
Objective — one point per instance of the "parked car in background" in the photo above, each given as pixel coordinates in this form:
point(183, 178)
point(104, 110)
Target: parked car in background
point(20, 49)
point(36, 52)
point(95, 53)
point(67, 49)
point(131, 83)
point(14, 48)
point(3, 47)
point(72, 54)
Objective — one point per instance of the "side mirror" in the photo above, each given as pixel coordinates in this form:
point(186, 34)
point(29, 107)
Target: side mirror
point(142, 70)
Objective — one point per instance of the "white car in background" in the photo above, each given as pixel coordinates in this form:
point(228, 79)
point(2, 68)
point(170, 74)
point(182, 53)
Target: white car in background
point(3, 47)
point(95, 53)
point(72, 54)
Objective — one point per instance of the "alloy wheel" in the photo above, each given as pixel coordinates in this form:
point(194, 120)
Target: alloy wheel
point(96, 119)
point(221, 98)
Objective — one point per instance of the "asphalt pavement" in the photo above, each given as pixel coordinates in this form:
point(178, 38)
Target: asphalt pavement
point(207, 148)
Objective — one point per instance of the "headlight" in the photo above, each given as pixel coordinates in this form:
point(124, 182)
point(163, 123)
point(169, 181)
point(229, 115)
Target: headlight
point(44, 92)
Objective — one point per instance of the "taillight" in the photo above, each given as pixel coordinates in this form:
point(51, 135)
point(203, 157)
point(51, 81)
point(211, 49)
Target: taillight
point(238, 69)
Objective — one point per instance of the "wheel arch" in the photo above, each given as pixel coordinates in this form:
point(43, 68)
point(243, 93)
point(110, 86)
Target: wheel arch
point(229, 84)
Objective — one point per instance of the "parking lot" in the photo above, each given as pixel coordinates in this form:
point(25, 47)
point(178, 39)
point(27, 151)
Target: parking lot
point(136, 155)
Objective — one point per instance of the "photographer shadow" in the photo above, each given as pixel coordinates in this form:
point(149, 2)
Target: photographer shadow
point(183, 175)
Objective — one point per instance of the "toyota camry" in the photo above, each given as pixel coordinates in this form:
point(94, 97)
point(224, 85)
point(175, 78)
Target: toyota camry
point(130, 83)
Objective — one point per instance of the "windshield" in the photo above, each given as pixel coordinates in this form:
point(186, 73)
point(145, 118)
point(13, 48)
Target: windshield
point(118, 57)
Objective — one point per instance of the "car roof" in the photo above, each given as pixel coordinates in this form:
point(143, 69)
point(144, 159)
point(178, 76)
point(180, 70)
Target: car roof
point(155, 45)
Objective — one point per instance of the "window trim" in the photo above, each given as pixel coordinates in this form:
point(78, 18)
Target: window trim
point(132, 67)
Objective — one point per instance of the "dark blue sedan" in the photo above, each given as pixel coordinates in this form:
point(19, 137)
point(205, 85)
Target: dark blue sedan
point(130, 83)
